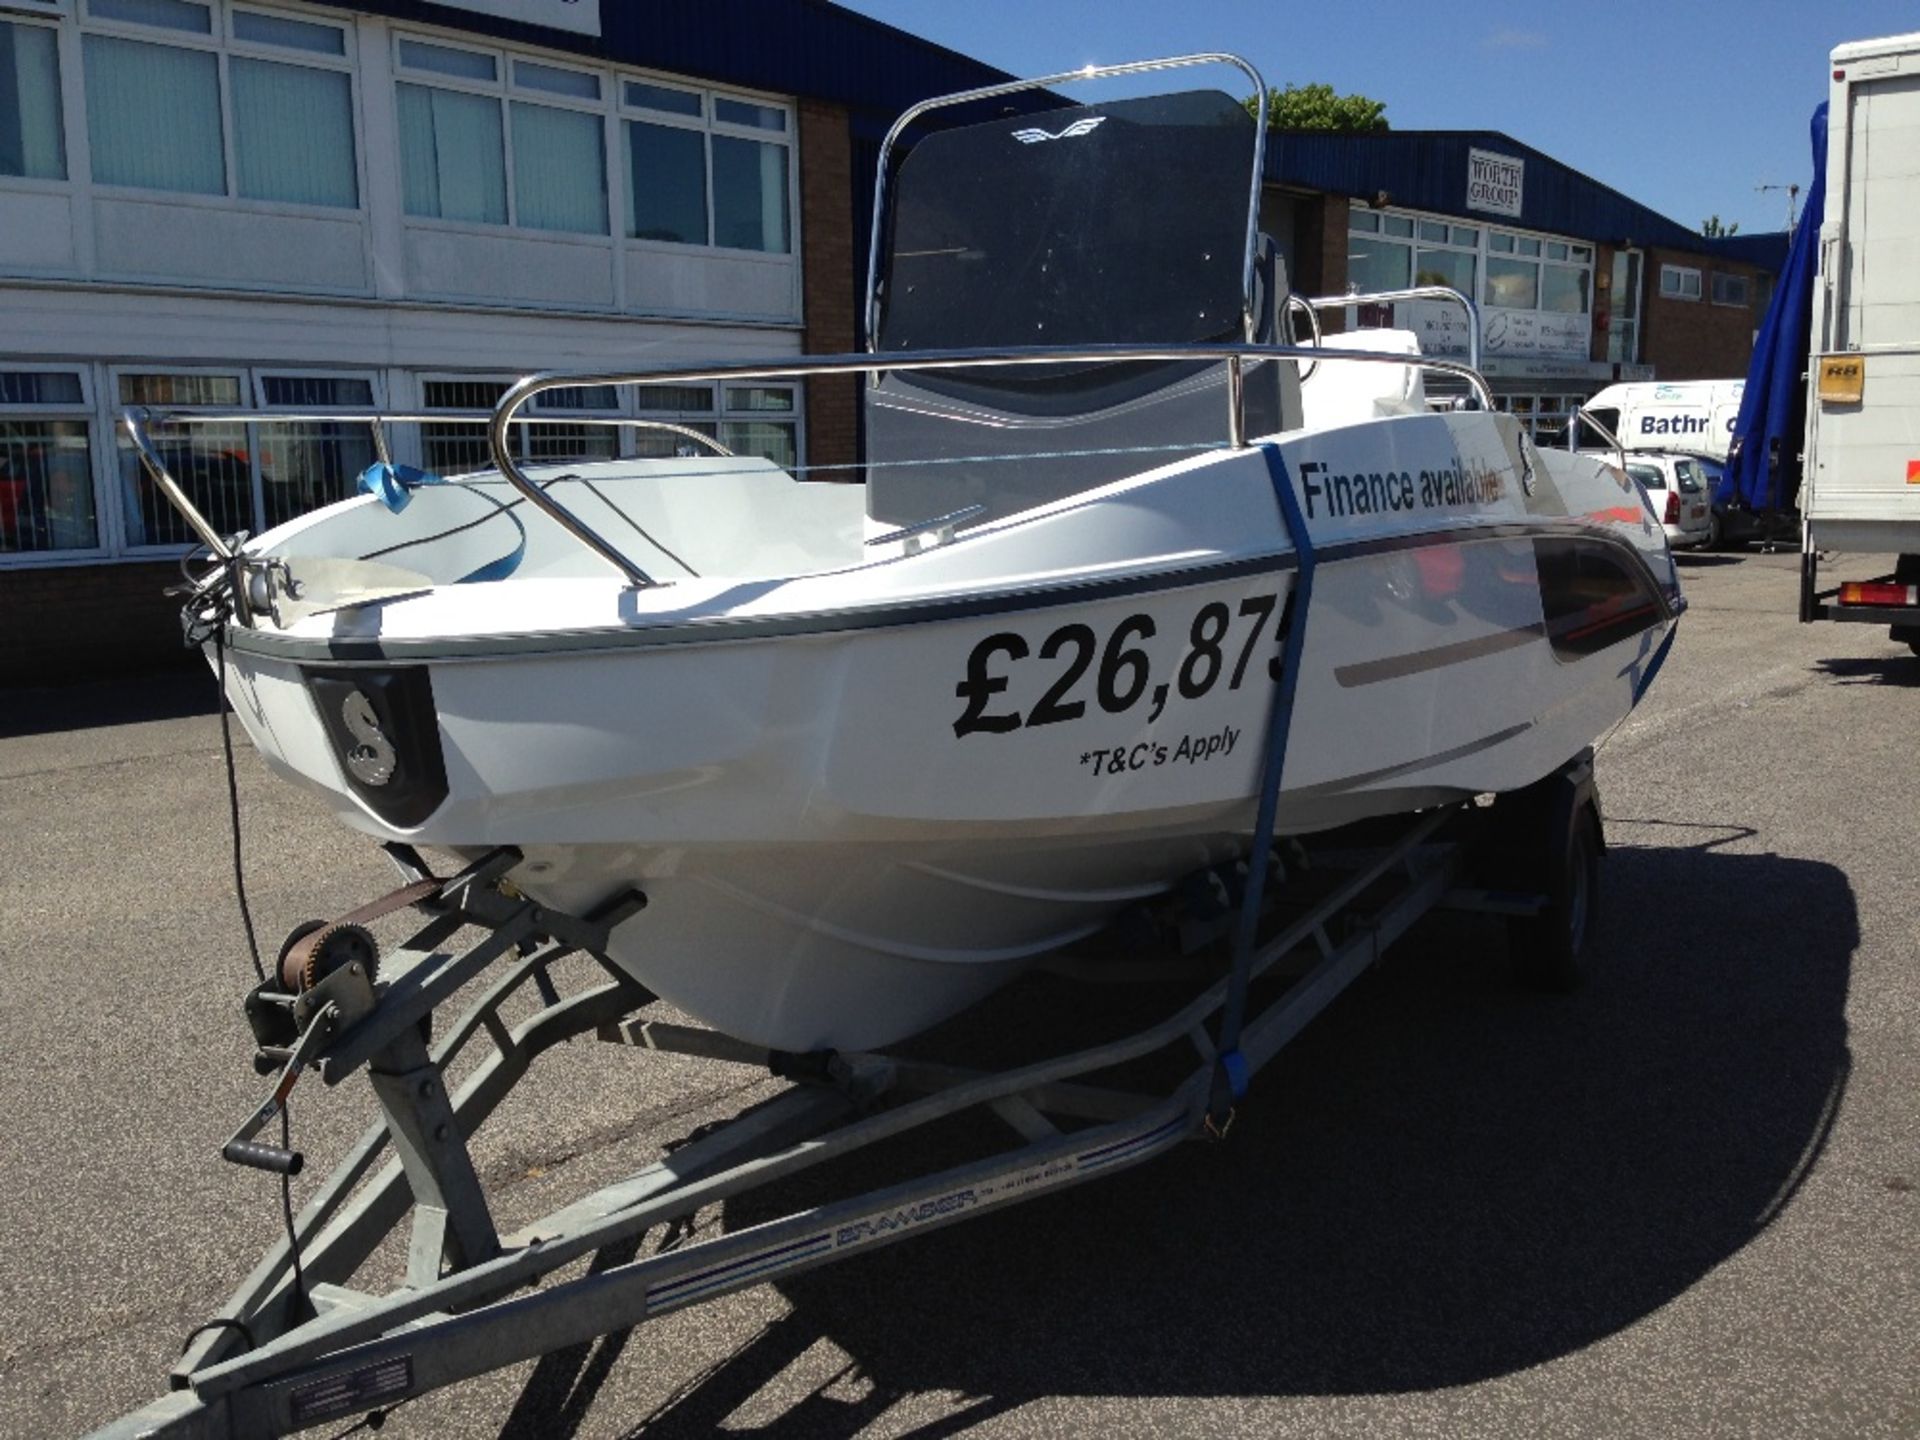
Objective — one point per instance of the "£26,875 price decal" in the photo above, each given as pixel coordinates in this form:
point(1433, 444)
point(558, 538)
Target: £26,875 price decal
point(1123, 675)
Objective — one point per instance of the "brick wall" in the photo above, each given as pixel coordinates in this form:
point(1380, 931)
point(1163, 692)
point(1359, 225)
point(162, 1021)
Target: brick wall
point(1697, 339)
point(827, 243)
point(88, 622)
point(1323, 256)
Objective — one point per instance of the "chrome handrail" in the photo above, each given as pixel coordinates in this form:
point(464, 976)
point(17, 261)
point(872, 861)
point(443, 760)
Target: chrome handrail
point(380, 419)
point(1088, 72)
point(140, 420)
point(136, 419)
point(1417, 292)
point(802, 367)
point(1305, 307)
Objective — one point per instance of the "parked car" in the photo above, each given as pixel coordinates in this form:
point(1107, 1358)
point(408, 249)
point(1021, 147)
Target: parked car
point(1676, 493)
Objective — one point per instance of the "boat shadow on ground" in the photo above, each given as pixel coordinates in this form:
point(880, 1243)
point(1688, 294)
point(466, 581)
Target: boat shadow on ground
point(174, 694)
point(1444, 1180)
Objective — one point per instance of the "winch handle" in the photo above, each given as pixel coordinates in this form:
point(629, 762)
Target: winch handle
point(256, 1156)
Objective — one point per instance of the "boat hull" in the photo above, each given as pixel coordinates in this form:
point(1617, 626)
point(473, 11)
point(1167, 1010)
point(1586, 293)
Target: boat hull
point(849, 832)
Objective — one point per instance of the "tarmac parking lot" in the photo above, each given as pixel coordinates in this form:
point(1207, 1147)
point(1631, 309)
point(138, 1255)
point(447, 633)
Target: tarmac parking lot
point(1683, 1201)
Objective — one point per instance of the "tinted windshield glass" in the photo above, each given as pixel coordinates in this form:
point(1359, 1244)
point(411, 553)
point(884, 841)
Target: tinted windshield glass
point(1689, 477)
point(1100, 224)
point(1648, 476)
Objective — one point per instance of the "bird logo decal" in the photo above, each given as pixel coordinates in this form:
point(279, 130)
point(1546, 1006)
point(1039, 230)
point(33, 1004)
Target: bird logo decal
point(1078, 127)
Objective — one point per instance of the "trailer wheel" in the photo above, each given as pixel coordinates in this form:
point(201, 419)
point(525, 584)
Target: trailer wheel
point(1548, 947)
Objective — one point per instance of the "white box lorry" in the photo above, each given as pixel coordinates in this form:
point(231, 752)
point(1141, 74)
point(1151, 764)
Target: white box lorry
point(1860, 489)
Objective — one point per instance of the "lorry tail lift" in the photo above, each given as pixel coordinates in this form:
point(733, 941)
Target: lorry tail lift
point(298, 1345)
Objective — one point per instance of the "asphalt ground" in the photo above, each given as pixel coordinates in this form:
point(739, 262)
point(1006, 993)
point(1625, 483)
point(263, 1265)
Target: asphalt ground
point(1680, 1202)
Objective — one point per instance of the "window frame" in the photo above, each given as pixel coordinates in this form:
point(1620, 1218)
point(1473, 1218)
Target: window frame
point(541, 411)
point(258, 377)
point(534, 412)
point(1489, 243)
point(506, 90)
point(1746, 290)
point(614, 112)
point(1680, 273)
point(252, 380)
point(123, 546)
point(224, 44)
point(50, 20)
point(85, 411)
point(708, 126)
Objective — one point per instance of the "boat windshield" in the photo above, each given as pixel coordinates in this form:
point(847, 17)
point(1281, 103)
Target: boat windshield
point(1107, 224)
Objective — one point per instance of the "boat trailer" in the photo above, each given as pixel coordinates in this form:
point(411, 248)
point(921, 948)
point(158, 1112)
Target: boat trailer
point(297, 1345)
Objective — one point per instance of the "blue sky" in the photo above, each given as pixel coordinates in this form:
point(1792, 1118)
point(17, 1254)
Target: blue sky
point(1683, 106)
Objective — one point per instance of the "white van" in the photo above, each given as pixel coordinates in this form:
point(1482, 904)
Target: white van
point(1694, 416)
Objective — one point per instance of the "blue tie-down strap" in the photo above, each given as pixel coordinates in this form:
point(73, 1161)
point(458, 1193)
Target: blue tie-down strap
point(1234, 1066)
point(395, 484)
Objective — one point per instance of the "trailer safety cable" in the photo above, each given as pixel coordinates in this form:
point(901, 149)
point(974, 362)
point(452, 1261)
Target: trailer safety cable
point(299, 1297)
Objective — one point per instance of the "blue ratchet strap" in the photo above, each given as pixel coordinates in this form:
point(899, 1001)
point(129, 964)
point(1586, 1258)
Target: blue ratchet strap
point(394, 484)
point(498, 569)
point(1230, 1073)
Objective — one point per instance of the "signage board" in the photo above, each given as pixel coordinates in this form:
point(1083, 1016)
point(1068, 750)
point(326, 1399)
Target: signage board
point(1496, 183)
point(582, 17)
point(1843, 379)
point(1442, 329)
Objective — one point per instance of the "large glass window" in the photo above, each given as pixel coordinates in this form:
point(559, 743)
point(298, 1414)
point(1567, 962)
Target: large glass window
point(305, 464)
point(750, 195)
point(31, 143)
point(559, 169)
point(1513, 284)
point(1444, 267)
point(243, 475)
point(1729, 289)
point(1623, 328)
point(153, 116)
point(46, 464)
point(293, 133)
point(1564, 289)
point(690, 182)
point(667, 183)
point(493, 138)
point(747, 419)
point(156, 117)
point(1373, 264)
point(455, 144)
point(452, 162)
point(563, 442)
point(455, 449)
point(1679, 282)
point(1502, 269)
point(211, 461)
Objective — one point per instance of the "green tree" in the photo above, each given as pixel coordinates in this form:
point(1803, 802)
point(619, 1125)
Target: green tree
point(1712, 228)
point(1317, 107)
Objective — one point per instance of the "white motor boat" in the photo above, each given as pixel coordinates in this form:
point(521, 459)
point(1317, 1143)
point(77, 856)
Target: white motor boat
point(869, 749)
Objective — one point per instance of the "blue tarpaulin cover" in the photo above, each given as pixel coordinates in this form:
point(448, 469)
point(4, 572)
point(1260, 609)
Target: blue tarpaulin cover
point(1773, 405)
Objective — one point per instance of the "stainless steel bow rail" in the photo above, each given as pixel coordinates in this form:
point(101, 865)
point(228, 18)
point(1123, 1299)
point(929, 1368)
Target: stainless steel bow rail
point(246, 576)
point(284, 1355)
